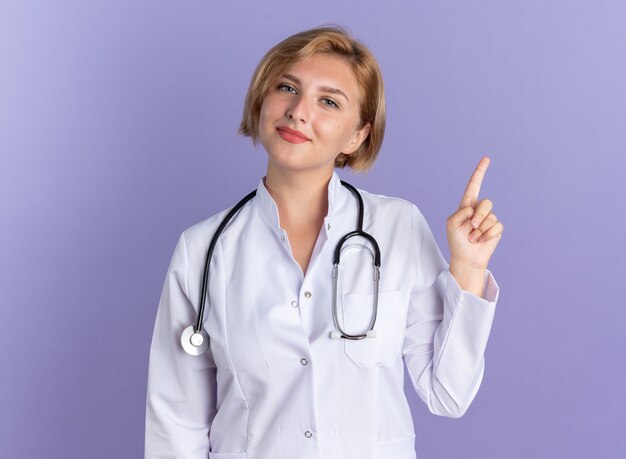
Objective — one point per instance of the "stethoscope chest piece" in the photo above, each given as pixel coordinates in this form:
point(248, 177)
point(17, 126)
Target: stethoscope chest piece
point(194, 343)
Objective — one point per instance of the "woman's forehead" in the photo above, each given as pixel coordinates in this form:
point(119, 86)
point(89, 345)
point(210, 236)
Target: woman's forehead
point(326, 71)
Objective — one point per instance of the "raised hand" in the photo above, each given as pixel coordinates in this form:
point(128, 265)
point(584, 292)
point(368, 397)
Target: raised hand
point(473, 230)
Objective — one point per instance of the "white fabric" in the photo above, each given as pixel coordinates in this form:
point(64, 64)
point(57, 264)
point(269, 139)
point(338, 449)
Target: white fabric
point(253, 396)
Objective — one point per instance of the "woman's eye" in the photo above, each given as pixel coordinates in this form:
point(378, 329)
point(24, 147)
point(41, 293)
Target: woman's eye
point(330, 103)
point(286, 88)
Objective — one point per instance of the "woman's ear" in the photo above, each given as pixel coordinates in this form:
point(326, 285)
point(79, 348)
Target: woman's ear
point(357, 139)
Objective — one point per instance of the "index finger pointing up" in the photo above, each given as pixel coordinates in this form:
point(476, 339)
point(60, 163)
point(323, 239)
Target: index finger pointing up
point(470, 197)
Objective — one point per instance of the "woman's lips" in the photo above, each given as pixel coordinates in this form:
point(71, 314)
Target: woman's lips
point(291, 136)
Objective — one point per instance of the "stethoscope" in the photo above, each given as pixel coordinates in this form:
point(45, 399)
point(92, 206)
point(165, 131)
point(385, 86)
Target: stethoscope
point(195, 340)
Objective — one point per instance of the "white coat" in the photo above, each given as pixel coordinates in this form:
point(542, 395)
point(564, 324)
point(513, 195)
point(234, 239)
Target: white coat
point(273, 384)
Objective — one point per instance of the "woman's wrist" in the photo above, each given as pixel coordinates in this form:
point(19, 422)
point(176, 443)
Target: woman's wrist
point(469, 278)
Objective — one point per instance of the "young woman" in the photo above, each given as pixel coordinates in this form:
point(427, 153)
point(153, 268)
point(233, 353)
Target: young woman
point(292, 368)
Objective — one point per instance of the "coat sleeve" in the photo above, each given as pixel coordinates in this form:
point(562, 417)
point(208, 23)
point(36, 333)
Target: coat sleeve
point(447, 329)
point(181, 394)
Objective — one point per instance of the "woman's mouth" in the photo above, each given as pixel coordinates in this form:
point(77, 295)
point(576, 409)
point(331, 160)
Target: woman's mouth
point(291, 135)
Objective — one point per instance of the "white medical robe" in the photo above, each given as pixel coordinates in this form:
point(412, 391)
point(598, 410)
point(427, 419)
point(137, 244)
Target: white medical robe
point(273, 384)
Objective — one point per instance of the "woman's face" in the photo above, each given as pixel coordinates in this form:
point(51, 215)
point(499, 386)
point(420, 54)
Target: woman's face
point(310, 114)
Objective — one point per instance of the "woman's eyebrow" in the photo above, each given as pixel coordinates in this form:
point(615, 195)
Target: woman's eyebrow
point(330, 89)
point(333, 91)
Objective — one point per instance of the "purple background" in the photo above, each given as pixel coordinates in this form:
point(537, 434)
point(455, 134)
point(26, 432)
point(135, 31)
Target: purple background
point(118, 125)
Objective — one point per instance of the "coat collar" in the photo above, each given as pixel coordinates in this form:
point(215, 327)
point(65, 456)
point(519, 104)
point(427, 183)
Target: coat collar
point(269, 209)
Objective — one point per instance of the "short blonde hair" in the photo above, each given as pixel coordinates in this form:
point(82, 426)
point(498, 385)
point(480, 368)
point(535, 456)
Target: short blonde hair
point(328, 40)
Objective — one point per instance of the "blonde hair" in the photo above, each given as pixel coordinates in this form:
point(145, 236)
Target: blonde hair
point(327, 40)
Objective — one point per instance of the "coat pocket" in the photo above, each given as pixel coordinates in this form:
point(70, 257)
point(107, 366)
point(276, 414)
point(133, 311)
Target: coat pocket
point(386, 347)
point(227, 455)
point(399, 448)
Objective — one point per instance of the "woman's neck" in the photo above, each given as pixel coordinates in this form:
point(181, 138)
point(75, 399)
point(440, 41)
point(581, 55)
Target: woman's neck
point(302, 198)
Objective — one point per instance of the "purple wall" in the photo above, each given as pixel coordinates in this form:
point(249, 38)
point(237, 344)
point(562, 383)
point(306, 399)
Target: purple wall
point(118, 128)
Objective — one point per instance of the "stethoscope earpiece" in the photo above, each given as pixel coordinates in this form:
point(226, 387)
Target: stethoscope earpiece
point(337, 335)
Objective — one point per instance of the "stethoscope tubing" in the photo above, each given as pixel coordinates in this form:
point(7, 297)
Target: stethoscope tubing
point(209, 256)
point(195, 340)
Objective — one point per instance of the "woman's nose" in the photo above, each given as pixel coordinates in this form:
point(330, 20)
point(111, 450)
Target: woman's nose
point(298, 110)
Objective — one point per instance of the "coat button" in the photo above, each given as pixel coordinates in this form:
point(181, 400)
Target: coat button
point(294, 304)
point(308, 434)
point(307, 294)
point(304, 361)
